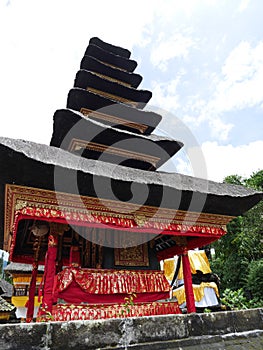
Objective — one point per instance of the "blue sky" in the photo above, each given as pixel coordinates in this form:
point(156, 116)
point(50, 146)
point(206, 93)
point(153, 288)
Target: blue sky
point(203, 61)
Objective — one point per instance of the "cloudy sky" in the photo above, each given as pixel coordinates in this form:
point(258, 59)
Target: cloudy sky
point(203, 61)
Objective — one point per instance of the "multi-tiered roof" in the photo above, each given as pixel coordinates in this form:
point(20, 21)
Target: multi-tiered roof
point(112, 125)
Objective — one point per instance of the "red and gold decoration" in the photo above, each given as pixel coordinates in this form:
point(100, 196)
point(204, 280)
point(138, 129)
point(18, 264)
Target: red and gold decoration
point(29, 203)
point(110, 286)
point(70, 312)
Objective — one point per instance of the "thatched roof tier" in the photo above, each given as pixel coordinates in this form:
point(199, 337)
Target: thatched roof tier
point(92, 64)
point(92, 82)
point(112, 113)
point(110, 58)
point(92, 139)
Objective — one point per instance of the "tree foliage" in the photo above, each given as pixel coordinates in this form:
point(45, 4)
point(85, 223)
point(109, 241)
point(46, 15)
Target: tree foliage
point(254, 278)
point(239, 254)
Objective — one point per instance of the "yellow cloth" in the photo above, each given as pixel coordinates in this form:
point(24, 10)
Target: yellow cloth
point(20, 301)
point(25, 279)
point(198, 261)
point(169, 268)
point(198, 290)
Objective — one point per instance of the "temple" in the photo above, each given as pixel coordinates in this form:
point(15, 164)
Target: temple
point(93, 208)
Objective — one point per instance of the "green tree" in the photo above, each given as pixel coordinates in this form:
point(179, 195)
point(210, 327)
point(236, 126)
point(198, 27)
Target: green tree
point(234, 180)
point(254, 278)
point(238, 254)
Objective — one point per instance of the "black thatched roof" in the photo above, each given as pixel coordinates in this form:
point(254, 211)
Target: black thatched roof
point(36, 156)
point(80, 98)
point(92, 64)
point(110, 58)
point(70, 125)
point(88, 80)
point(117, 50)
point(48, 155)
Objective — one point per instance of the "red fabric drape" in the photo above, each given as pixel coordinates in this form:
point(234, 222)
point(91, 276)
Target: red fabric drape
point(189, 294)
point(50, 272)
point(31, 297)
point(75, 294)
point(103, 281)
point(97, 286)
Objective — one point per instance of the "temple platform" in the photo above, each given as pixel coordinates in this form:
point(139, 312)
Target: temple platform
point(240, 330)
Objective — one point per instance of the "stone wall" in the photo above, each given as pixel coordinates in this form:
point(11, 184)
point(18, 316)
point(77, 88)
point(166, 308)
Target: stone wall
point(232, 330)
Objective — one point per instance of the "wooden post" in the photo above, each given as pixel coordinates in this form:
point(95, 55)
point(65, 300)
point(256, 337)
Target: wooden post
point(32, 287)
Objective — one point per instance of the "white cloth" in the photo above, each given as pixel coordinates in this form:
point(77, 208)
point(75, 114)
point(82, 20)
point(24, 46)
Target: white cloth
point(209, 298)
point(21, 312)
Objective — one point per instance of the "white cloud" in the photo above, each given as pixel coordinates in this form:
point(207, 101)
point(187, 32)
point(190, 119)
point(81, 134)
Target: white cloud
point(242, 76)
point(218, 161)
point(41, 48)
point(165, 94)
point(176, 46)
point(243, 5)
point(238, 86)
point(242, 160)
point(219, 129)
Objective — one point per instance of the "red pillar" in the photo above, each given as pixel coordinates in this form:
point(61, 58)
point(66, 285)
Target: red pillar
point(31, 297)
point(190, 300)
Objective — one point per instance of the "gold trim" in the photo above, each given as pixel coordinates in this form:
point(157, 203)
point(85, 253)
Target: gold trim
point(35, 197)
point(112, 65)
point(113, 97)
point(140, 219)
point(106, 77)
point(20, 205)
point(77, 144)
point(115, 120)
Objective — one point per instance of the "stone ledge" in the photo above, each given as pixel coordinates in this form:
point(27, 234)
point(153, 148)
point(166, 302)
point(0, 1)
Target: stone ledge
point(235, 341)
point(154, 332)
